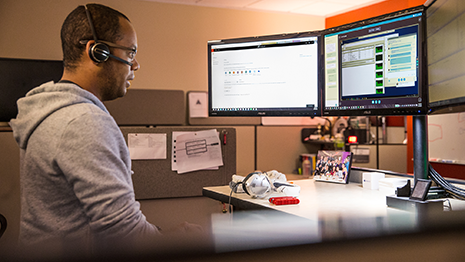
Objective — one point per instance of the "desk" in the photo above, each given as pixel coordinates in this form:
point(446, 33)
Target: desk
point(319, 199)
point(316, 199)
point(327, 212)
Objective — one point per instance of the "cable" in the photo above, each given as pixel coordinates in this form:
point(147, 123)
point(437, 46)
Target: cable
point(233, 187)
point(229, 202)
point(444, 183)
point(456, 192)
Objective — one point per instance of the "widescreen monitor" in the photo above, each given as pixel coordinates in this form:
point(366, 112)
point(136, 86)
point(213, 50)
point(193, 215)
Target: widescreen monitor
point(376, 66)
point(446, 56)
point(276, 75)
point(18, 76)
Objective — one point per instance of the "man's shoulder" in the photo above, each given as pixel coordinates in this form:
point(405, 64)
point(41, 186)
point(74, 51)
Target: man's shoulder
point(81, 116)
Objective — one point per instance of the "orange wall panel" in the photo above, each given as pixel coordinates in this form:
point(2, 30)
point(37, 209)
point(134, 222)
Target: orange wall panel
point(371, 11)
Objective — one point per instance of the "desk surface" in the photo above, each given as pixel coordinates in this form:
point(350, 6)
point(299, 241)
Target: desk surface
point(326, 212)
point(316, 199)
point(319, 199)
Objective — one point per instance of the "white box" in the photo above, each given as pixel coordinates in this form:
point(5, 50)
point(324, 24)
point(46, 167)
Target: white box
point(371, 180)
point(388, 186)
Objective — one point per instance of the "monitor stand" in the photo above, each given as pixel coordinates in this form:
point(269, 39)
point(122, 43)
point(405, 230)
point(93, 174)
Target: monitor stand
point(420, 171)
point(420, 147)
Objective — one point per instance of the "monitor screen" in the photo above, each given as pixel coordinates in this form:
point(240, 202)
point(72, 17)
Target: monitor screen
point(376, 66)
point(446, 56)
point(18, 76)
point(265, 76)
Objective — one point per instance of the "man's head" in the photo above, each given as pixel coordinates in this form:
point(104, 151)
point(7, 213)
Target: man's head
point(106, 78)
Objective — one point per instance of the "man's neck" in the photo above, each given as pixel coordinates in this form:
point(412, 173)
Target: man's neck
point(83, 81)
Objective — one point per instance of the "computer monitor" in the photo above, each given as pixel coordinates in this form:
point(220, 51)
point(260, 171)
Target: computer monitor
point(18, 76)
point(276, 75)
point(446, 56)
point(376, 66)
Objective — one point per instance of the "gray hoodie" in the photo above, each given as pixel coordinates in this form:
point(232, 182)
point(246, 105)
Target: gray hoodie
point(75, 169)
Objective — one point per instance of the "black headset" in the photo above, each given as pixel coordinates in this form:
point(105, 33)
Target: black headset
point(100, 52)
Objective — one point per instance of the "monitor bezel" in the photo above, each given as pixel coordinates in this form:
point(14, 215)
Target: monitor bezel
point(445, 106)
point(448, 106)
point(271, 111)
point(423, 73)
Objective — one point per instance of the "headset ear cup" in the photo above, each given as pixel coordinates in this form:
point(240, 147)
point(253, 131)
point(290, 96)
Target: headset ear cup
point(99, 52)
point(244, 182)
point(256, 185)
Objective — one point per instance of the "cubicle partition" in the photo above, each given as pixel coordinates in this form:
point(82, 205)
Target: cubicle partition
point(163, 112)
point(147, 107)
point(155, 178)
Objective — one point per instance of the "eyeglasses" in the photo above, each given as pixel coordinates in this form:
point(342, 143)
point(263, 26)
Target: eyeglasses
point(132, 51)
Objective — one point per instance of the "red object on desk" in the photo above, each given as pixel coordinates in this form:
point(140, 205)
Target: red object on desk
point(284, 201)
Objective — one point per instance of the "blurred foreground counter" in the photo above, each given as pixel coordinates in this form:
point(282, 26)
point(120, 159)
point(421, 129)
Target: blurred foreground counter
point(269, 235)
point(332, 222)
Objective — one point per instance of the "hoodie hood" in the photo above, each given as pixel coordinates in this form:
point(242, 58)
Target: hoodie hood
point(43, 101)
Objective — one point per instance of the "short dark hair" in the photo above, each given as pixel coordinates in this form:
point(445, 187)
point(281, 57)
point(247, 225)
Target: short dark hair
point(76, 28)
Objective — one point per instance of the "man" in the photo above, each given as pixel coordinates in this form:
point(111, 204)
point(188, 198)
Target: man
point(75, 166)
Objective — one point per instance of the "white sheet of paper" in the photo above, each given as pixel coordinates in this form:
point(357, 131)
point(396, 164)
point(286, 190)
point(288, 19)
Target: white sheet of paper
point(147, 146)
point(198, 150)
point(198, 104)
point(174, 166)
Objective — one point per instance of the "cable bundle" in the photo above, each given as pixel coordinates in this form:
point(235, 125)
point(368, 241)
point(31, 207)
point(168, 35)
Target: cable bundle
point(456, 192)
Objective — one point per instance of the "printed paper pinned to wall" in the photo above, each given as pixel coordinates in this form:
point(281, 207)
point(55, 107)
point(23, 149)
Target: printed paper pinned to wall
point(198, 150)
point(147, 146)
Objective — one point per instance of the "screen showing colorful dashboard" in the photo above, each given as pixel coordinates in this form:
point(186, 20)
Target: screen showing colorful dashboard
point(376, 66)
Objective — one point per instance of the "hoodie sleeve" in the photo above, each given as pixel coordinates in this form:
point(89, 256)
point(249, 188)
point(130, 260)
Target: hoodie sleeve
point(93, 155)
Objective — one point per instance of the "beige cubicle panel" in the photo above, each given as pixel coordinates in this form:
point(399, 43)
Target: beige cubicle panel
point(279, 148)
point(392, 157)
point(245, 149)
point(147, 107)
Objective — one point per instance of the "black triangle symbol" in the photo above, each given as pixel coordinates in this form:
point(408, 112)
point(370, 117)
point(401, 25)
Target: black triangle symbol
point(198, 102)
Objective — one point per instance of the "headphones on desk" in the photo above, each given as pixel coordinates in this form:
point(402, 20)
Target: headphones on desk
point(99, 52)
point(260, 185)
point(256, 184)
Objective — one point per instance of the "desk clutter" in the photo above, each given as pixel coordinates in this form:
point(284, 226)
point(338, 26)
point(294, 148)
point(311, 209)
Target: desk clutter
point(271, 184)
